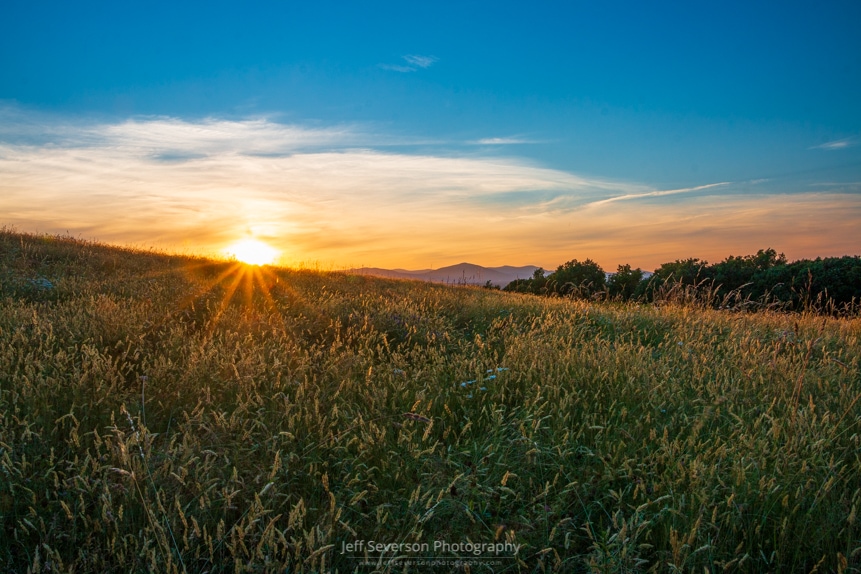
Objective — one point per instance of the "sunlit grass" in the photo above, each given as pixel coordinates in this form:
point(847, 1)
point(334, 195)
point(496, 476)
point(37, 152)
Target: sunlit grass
point(168, 414)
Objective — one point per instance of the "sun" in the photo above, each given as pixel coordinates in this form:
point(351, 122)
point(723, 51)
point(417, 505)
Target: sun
point(253, 252)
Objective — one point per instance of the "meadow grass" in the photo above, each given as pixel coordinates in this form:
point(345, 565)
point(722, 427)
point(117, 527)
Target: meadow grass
point(173, 414)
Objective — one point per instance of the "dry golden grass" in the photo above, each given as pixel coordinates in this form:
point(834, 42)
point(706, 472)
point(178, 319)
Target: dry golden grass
point(172, 414)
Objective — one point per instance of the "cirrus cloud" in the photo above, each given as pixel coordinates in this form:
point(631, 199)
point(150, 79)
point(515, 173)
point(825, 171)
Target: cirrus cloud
point(837, 144)
point(414, 62)
point(349, 196)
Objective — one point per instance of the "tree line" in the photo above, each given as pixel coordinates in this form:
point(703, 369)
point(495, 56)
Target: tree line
point(764, 279)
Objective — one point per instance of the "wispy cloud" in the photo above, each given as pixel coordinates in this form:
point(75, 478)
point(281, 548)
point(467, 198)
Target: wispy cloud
point(421, 61)
point(837, 144)
point(414, 62)
point(835, 184)
point(325, 191)
point(341, 196)
point(397, 68)
point(656, 193)
point(715, 226)
point(154, 135)
point(504, 141)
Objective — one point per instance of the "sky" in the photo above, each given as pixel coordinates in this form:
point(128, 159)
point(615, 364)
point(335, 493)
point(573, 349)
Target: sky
point(422, 134)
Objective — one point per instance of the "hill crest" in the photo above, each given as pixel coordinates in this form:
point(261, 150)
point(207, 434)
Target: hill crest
point(459, 274)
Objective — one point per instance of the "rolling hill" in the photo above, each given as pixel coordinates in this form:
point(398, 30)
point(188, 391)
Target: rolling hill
point(460, 274)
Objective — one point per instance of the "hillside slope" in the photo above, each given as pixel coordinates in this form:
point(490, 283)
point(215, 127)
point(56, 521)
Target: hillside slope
point(177, 414)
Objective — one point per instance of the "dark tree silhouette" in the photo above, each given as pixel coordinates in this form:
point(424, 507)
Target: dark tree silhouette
point(577, 279)
point(624, 282)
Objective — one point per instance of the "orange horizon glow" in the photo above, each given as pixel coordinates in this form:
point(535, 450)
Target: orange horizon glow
point(359, 207)
point(253, 252)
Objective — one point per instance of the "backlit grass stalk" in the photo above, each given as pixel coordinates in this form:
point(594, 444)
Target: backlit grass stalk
point(274, 426)
point(152, 485)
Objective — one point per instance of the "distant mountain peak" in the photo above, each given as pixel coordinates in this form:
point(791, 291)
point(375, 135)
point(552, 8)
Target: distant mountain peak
point(460, 274)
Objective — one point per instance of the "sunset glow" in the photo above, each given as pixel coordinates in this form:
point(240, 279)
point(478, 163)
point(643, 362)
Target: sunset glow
point(401, 137)
point(253, 252)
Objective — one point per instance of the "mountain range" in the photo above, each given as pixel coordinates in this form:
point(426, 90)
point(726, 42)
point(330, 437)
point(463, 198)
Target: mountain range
point(460, 274)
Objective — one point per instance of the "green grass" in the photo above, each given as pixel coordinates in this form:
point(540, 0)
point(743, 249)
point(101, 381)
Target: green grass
point(161, 413)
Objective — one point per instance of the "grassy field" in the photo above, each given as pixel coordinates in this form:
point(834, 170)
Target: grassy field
point(174, 414)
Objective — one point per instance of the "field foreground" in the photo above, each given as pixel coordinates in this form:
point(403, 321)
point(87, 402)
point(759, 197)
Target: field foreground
point(176, 414)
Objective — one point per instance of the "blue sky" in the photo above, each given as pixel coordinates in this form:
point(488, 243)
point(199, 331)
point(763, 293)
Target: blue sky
point(501, 133)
